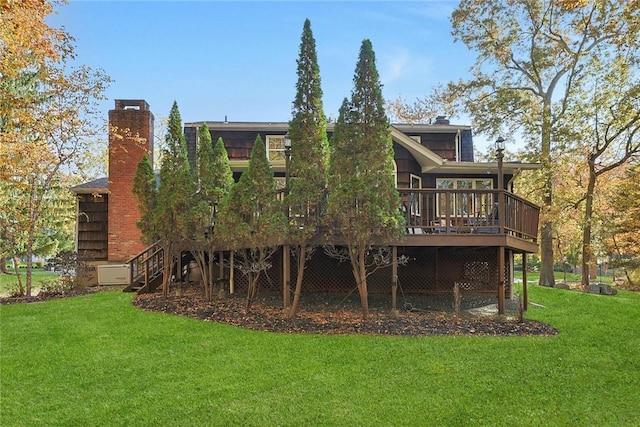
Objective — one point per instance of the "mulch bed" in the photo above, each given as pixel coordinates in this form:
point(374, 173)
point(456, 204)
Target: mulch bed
point(331, 314)
point(42, 297)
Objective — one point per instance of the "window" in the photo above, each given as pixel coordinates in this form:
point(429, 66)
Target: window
point(275, 147)
point(415, 201)
point(461, 203)
point(281, 182)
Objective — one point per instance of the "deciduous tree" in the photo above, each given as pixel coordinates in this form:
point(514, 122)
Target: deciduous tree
point(47, 114)
point(605, 124)
point(624, 223)
point(531, 56)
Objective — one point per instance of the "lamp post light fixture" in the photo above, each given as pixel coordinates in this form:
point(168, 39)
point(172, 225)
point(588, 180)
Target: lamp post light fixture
point(287, 159)
point(213, 206)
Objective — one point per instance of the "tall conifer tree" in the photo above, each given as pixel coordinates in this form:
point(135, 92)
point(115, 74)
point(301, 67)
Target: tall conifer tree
point(144, 188)
point(251, 219)
point(173, 211)
point(309, 156)
point(363, 200)
point(214, 182)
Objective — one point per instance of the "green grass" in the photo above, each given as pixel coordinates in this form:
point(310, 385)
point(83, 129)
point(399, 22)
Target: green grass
point(9, 282)
point(534, 277)
point(96, 360)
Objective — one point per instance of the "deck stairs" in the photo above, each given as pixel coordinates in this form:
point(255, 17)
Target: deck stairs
point(146, 270)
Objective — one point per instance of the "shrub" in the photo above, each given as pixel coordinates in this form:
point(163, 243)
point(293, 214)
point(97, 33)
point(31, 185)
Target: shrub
point(65, 284)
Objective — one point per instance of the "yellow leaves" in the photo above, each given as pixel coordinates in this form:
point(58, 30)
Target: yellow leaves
point(573, 4)
point(26, 40)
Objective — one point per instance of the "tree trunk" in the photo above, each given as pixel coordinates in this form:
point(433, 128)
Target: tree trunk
point(296, 294)
point(586, 231)
point(207, 278)
point(252, 290)
point(362, 283)
point(168, 269)
point(546, 237)
point(30, 243)
point(211, 275)
point(16, 269)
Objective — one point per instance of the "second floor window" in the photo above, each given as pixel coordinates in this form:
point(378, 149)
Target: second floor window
point(275, 147)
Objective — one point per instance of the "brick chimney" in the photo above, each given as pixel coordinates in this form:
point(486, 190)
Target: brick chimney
point(130, 137)
point(442, 120)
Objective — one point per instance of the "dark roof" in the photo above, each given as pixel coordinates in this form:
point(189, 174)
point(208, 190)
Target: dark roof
point(100, 185)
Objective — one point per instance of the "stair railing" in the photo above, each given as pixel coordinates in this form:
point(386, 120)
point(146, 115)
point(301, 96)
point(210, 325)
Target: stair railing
point(147, 265)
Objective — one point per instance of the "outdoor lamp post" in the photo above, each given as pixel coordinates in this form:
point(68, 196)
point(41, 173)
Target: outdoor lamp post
point(501, 258)
point(287, 159)
point(500, 156)
point(212, 219)
point(286, 253)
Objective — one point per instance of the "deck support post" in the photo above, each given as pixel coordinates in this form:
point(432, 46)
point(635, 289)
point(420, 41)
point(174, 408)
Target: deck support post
point(394, 280)
point(286, 276)
point(220, 271)
point(232, 287)
point(525, 292)
point(501, 301)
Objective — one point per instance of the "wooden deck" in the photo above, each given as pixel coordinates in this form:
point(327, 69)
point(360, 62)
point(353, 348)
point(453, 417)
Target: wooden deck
point(463, 218)
point(446, 218)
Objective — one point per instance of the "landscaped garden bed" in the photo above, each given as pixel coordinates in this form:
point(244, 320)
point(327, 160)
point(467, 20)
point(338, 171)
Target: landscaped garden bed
point(335, 314)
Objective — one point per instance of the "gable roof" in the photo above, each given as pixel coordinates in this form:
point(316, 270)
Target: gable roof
point(426, 158)
point(100, 186)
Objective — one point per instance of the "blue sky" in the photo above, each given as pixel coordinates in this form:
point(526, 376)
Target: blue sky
point(238, 58)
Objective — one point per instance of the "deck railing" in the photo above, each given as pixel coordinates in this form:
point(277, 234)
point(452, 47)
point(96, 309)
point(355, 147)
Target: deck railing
point(444, 211)
point(468, 211)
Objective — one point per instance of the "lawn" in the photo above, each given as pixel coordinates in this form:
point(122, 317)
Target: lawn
point(96, 360)
point(9, 282)
point(534, 277)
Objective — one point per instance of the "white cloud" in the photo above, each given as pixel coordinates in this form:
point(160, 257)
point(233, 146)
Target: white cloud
point(395, 66)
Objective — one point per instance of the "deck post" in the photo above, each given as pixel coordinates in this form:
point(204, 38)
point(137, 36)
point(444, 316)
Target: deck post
point(286, 276)
point(220, 270)
point(232, 287)
point(394, 280)
point(525, 293)
point(501, 302)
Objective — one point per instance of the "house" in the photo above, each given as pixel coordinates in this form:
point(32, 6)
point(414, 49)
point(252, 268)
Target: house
point(462, 230)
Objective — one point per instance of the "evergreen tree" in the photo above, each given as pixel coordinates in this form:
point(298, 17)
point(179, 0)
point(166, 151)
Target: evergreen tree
point(144, 188)
point(251, 219)
point(308, 133)
point(173, 213)
point(215, 179)
point(363, 203)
